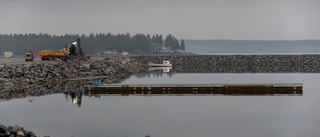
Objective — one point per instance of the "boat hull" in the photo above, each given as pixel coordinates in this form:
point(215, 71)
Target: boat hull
point(159, 65)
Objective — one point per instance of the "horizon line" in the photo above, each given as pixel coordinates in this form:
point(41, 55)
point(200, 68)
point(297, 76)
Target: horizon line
point(200, 39)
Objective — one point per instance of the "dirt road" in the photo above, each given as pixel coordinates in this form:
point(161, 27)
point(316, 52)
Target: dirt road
point(18, 61)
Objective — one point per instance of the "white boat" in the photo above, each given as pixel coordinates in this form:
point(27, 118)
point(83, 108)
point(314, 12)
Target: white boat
point(8, 54)
point(163, 69)
point(164, 64)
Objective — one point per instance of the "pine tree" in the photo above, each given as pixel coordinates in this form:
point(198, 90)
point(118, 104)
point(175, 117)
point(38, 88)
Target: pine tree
point(176, 45)
point(182, 45)
point(91, 44)
point(169, 42)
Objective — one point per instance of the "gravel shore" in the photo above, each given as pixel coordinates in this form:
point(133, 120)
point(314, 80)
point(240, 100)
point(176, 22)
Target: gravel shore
point(303, 63)
point(15, 131)
point(19, 79)
point(17, 74)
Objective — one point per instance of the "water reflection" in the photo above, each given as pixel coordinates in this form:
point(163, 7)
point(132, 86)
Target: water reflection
point(74, 94)
point(77, 94)
point(72, 88)
point(195, 90)
point(76, 97)
point(156, 72)
point(171, 115)
point(160, 69)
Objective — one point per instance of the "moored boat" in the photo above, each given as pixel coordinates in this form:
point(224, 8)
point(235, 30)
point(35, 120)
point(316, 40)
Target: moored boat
point(164, 64)
point(163, 69)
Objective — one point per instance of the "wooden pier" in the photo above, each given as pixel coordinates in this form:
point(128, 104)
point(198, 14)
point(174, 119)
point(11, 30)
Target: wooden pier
point(196, 89)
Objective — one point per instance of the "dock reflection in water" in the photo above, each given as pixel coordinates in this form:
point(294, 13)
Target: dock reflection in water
point(196, 89)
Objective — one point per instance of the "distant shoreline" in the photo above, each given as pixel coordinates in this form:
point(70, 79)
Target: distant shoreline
point(260, 40)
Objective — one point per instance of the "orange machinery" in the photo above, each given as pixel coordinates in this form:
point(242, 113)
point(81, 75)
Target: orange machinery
point(29, 54)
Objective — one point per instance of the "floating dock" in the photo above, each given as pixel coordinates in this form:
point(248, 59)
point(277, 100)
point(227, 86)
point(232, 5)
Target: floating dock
point(195, 89)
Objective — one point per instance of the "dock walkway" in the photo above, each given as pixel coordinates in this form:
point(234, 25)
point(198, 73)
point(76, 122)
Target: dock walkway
point(195, 89)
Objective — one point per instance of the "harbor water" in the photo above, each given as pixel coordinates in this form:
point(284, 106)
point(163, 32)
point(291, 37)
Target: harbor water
point(60, 115)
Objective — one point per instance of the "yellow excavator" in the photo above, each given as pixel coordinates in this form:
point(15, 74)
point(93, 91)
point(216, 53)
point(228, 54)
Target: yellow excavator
point(75, 51)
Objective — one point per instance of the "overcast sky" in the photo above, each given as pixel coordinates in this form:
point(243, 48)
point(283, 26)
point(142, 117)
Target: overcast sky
point(188, 19)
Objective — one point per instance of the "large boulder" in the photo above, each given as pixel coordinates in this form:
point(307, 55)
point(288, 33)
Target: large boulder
point(3, 129)
point(4, 83)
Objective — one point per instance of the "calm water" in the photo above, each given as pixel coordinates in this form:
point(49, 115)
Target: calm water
point(176, 116)
point(183, 116)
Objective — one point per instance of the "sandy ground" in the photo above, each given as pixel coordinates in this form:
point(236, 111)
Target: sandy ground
point(18, 61)
point(21, 60)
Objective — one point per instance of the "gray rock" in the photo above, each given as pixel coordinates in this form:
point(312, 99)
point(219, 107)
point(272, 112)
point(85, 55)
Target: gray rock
point(26, 81)
point(3, 129)
point(31, 134)
point(6, 83)
point(20, 134)
point(16, 129)
point(39, 73)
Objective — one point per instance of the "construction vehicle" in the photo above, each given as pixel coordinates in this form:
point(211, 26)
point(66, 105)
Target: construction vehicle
point(74, 51)
point(48, 55)
point(29, 55)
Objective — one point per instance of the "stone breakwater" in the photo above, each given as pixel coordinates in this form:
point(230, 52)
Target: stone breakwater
point(238, 63)
point(22, 75)
point(15, 131)
point(36, 90)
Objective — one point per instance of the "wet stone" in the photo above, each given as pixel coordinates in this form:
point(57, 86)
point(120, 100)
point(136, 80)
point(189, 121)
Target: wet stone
point(22, 75)
point(3, 129)
point(16, 129)
point(238, 63)
point(20, 134)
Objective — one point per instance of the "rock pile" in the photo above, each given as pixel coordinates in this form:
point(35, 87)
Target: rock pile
point(22, 80)
point(23, 75)
point(238, 63)
point(43, 89)
point(15, 131)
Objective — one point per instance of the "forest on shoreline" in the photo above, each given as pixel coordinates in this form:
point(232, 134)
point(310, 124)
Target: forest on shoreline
point(93, 43)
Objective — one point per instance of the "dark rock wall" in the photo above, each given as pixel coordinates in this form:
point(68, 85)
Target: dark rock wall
point(238, 63)
point(20, 75)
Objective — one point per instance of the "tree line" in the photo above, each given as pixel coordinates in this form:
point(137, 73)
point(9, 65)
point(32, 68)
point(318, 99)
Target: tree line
point(93, 43)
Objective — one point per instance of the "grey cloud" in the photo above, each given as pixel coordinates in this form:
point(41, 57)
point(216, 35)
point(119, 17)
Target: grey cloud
point(204, 19)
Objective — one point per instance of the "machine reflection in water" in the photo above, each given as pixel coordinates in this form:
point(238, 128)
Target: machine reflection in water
point(97, 89)
point(76, 97)
point(102, 89)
